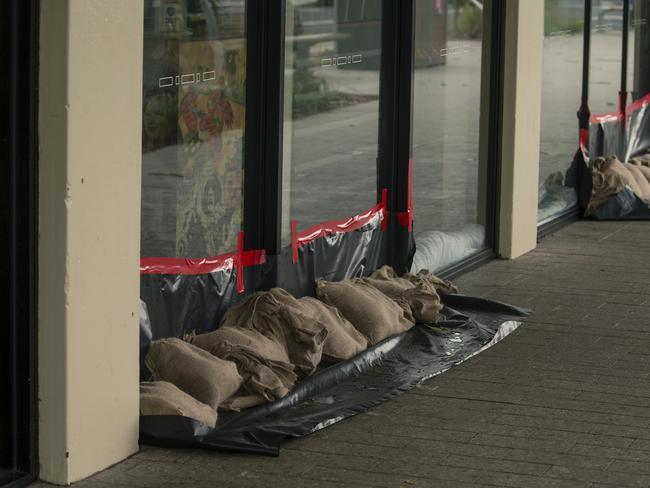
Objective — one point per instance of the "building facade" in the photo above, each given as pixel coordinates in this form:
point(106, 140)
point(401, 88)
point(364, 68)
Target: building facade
point(149, 135)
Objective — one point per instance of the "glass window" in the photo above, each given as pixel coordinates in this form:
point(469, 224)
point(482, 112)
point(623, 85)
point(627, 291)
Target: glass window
point(638, 78)
point(448, 171)
point(561, 91)
point(193, 127)
point(331, 113)
point(605, 56)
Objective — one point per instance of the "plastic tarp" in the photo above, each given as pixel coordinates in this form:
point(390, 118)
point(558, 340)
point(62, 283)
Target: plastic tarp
point(466, 326)
point(180, 296)
point(624, 136)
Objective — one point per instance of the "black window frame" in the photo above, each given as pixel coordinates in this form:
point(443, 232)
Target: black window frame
point(19, 145)
point(264, 122)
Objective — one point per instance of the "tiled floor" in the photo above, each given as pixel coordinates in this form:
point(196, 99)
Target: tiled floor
point(563, 402)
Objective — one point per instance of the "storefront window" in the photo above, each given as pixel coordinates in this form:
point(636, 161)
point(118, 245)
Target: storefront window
point(447, 168)
point(638, 78)
point(561, 91)
point(193, 127)
point(331, 112)
point(605, 57)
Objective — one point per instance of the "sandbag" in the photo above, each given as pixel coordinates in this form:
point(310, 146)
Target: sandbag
point(610, 176)
point(198, 373)
point(262, 362)
point(370, 311)
point(163, 398)
point(277, 315)
point(343, 340)
point(642, 159)
point(417, 296)
point(425, 276)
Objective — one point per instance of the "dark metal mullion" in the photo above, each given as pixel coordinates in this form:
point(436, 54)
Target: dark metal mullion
point(387, 104)
point(395, 120)
point(584, 113)
point(263, 141)
point(404, 132)
point(622, 95)
point(497, 46)
point(31, 220)
point(21, 139)
point(14, 43)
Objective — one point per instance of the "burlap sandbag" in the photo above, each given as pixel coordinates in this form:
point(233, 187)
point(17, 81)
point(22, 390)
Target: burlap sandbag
point(370, 311)
point(262, 362)
point(610, 176)
point(343, 340)
point(163, 398)
point(198, 373)
point(642, 159)
point(276, 314)
point(425, 276)
point(417, 296)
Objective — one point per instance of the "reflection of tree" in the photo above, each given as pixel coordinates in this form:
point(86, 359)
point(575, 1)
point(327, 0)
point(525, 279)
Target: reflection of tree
point(311, 92)
point(558, 20)
point(468, 19)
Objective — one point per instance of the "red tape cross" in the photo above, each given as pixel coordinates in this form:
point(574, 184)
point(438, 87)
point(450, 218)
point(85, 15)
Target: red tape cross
point(299, 239)
point(405, 219)
point(183, 266)
point(622, 111)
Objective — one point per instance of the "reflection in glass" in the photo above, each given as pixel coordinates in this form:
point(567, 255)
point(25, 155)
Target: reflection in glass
point(638, 78)
point(332, 59)
point(561, 90)
point(449, 214)
point(193, 127)
point(605, 56)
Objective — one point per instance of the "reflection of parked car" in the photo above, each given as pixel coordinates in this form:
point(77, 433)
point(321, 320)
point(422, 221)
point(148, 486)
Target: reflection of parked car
point(607, 15)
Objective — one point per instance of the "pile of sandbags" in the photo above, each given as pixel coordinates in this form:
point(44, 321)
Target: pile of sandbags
point(609, 176)
point(266, 343)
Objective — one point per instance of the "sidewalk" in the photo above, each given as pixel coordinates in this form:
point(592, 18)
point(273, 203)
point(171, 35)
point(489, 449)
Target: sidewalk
point(562, 402)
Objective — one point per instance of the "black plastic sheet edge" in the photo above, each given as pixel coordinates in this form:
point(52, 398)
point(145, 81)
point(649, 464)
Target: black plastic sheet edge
point(340, 391)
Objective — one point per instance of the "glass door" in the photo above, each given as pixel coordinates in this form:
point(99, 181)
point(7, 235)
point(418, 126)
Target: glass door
point(193, 127)
point(561, 91)
point(331, 110)
point(450, 116)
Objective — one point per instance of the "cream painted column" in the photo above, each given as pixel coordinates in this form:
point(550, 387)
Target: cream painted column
point(89, 242)
point(524, 33)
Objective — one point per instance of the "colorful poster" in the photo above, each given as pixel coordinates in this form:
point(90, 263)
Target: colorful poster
point(211, 128)
point(193, 129)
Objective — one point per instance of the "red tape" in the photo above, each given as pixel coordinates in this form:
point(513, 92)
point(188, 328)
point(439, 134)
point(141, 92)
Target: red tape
point(584, 140)
point(331, 227)
point(638, 105)
point(384, 209)
point(183, 266)
point(239, 264)
point(405, 219)
point(294, 240)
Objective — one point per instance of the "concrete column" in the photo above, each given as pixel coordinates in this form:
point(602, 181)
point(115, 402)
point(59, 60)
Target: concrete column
point(89, 242)
point(524, 34)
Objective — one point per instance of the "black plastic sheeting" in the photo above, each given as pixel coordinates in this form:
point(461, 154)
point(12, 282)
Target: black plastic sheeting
point(178, 304)
point(624, 138)
point(175, 304)
point(335, 257)
point(337, 392)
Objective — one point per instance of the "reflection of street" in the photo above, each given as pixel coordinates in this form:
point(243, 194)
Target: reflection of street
point(446, 125)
